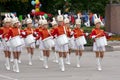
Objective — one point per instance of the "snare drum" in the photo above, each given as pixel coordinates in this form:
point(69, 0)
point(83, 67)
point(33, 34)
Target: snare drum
point(62, 40)
point(102, 41)
point(81, 41)
point(15, 41)
point(48, 42)
point(29, 39)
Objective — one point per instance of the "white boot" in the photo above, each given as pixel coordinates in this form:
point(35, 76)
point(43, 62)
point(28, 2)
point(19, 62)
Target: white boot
point(7, 64)
point(62, 64)
point(11, 57)
point(30, 59)
point(41, 55)
point(99, 64)
point(78, 61)
point(68, 59)
point(16, 65)
point(55, 57)
point(45, 62)
point(19, 60)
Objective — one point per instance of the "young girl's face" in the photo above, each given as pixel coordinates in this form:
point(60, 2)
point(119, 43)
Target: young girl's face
point(29, 25)
point(98, 25)
point(7, 24)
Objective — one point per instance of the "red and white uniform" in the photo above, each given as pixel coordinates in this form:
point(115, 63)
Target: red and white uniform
point(96, 33)
point(13, 32)
point(77, 33)
point(29, 31)
point(43, 34)
point(60, 30)
point(4, 35)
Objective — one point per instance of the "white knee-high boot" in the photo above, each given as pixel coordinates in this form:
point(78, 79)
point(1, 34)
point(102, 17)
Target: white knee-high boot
point(45, 62)
point(15, 66)
point(99, 64)
point(30, 59)
point(7, 64)
point(55, 57)
point(41, 57)
point(78, 60)
point(62, 64)
point(68, 59)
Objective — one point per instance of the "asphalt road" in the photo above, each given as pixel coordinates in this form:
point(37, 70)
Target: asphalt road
point(87, 71)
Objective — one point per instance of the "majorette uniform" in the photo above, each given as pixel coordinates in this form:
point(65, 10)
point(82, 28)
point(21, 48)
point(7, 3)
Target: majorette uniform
point(4, 32)
point(77, 33)
point(60, 30)
point(29, 31)
point(100, 33)
point(13, 32)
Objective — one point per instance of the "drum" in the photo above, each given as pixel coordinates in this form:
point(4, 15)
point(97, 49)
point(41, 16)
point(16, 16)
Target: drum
point(29, 39)
point(81, 40)
point(6, 43)
point(15, 41)
point(102, 41)
point(62, 40)
point(48, 42)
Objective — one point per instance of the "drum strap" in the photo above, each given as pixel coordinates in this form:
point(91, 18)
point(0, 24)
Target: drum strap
point(49, 32)
point(64, 29)
point(19, 31)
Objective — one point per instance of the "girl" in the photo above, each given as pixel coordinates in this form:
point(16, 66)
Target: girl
point(4, 33)
point(99, 50)
point(78, 32)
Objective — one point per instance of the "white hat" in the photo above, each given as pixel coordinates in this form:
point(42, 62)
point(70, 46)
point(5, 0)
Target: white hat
point(78, 20)
point(29, 20)
point(97, 20)
point(66, 20)
point(54, 22)
point(44, 21)
point(7, 19)
point(59, 17)
point(14, 19)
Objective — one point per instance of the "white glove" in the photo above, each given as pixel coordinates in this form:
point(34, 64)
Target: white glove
point(5, 39)
point(71, 33)
point(93, 37)
point(23, 33)
point(110, 34)
point(0, 36)
point(86, 34)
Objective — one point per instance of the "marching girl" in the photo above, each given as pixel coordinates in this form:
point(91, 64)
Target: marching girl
point(4, 32)
point(68, 33)
point(55, 50)
point(99, 50)
point(39, 29)
point(78, 32)
point(63, 48)
point(44, 34)
point(13, 33)
point(29, 32)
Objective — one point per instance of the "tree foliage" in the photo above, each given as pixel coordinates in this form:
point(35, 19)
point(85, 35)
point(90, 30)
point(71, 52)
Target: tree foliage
point(51, 6)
